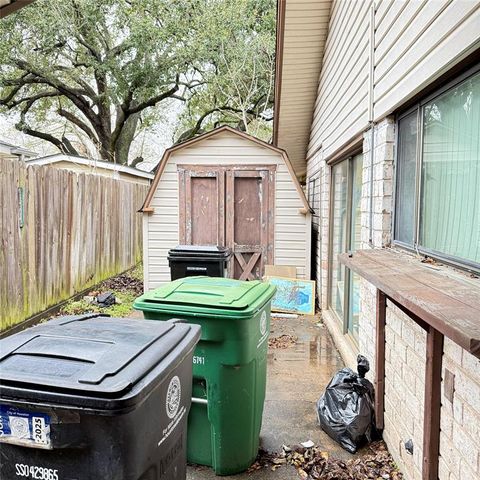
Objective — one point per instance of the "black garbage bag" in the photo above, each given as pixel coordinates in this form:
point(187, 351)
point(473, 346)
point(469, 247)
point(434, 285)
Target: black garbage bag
point(346, 409)
point(105, 299)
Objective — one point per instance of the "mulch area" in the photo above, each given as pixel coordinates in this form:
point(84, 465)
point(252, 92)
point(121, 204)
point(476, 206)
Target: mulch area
point(374, 462)
point(123, 283)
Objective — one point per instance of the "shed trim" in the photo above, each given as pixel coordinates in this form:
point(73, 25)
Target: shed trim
point(89, 162)
point(147, 208)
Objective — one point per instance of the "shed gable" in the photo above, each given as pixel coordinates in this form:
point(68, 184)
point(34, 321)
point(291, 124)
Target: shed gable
point(224, 150)
point(221, 144)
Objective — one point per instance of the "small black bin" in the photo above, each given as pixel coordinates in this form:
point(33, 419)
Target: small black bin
point(95, 398)
point(193, 260)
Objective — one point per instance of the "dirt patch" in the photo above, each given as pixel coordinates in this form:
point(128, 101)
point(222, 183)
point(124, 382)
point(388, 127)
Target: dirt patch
point(282, 341)
point(126, 282)
point(374, 462)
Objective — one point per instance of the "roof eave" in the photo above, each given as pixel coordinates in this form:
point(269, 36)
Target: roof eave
point(301, 32)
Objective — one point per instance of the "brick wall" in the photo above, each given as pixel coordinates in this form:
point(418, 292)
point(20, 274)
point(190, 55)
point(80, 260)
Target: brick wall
point(405, 340)
point(404, 379)
point(460, 416)
point(406, 347)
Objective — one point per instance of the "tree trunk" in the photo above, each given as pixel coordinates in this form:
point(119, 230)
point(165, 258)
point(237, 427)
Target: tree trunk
point(125, 139)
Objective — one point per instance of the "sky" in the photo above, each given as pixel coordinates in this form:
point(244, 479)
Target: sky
point(150, 144)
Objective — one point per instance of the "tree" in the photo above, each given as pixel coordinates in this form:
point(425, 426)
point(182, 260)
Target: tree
point(238, 42)
point(107, 67)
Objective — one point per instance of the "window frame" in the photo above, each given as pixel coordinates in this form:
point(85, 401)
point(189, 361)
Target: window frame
point(313, 183)
point(343, 322)
point(463, 264)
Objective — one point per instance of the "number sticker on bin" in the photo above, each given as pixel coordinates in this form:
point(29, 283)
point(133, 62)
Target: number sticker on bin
point(20, 427)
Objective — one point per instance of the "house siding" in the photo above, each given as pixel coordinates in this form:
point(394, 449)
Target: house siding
point(292, 228)
point(341, 109)
point(415, 43)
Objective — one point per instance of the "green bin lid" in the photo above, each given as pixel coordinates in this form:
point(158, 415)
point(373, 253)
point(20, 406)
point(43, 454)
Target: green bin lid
point(207, 295)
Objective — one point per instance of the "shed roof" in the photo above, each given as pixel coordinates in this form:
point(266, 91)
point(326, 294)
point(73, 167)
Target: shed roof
point(146, 208)
point(302, 27)
point(15, 149)
point(91, 162)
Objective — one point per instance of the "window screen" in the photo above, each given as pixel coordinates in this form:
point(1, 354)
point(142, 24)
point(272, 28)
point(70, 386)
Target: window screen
point(448, 155)
point(450, 200)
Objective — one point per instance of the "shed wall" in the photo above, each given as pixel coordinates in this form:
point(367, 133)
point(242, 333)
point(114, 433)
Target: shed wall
point(292, 229)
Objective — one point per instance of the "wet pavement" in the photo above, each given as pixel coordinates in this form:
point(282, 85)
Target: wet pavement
point(297, 376)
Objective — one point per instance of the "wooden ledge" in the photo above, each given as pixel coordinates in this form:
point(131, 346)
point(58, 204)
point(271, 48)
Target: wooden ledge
point(449, 305)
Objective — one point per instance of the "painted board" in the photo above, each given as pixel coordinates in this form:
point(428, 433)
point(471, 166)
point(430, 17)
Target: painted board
point(293, 295)
point(287, 271)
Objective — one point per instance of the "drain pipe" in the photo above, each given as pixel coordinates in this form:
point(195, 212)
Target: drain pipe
point(371, 116)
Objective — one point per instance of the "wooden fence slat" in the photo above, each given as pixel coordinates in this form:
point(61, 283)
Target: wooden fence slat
point(78, 230)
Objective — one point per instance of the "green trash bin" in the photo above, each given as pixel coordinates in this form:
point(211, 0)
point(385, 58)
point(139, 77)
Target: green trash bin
point(229, 364)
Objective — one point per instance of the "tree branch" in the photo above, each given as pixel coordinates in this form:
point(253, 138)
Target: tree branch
point(79, 123)
point(31, 99)
point(68, 146)
point(23, 127)
point(74, 95)
point(11, 95)
point(152, 101)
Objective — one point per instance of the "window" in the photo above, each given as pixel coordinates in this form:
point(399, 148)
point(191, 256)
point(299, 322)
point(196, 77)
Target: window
point(314, 202)
point(438, 175)
point(344, 296)
point(339, 237)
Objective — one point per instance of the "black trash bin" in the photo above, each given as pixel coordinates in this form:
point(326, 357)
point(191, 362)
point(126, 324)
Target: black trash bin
point(194, 260)
point(90, 397)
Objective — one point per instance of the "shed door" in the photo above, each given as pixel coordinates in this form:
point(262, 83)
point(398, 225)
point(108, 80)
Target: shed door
point(202, 204)
point(231, 207)
point(248, 222)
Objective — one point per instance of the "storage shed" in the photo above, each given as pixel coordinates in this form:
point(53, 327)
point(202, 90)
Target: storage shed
point(227, 188)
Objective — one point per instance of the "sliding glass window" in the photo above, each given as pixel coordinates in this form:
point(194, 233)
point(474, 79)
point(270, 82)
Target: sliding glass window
point(344, 297)
point(437, 209)
point(338, 236)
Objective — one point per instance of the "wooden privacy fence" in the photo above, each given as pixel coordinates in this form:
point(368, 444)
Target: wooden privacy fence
point(60, 233)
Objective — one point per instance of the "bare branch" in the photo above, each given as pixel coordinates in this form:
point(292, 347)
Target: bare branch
point(31, 99)
point(79, 123)
point(23, 127)
point(152, 101)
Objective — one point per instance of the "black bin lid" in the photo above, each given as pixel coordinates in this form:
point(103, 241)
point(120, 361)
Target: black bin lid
point(87, 355)
point(200, 251)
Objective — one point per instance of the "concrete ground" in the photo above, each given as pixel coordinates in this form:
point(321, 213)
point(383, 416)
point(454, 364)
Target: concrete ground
point(296, 378)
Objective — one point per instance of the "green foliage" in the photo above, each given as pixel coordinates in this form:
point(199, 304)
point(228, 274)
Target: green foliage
point(236, 39)
point(117, 310)
point(126, 287)
point(136, 273)
point(100, 66)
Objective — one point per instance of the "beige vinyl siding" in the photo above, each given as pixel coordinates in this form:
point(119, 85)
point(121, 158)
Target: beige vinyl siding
point(341, 108)
point(162, 228)
point(415, 42)
point(145, 252)
point(421, 42)
point(291, 241)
